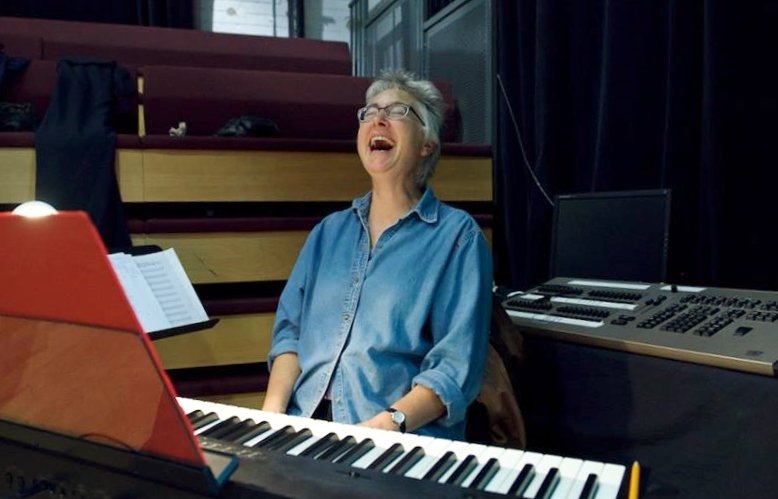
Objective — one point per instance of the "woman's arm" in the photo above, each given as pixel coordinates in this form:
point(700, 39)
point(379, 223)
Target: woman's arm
point(283, 375)
point(420, 407)
point(459, 323)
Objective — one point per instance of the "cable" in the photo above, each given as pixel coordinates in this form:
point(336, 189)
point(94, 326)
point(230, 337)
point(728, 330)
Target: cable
point(521, 144)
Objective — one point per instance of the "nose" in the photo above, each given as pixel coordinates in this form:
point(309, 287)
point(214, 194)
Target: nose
point(381, 115)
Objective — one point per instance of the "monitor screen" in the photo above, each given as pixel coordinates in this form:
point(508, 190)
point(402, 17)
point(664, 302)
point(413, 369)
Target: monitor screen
point(611, 235)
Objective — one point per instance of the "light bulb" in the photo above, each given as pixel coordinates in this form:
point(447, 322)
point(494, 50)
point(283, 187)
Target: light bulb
point(34, 209)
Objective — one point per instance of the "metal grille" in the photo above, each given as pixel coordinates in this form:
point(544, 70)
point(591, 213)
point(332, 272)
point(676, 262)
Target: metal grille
point(458, 50)
point(392, 39)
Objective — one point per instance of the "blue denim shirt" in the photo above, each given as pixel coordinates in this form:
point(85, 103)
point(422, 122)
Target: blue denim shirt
point(370, 325)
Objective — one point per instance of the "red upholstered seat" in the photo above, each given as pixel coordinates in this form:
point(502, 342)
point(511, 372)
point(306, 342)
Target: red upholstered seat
point(35, 84)
point(304, 106)
point(137, 45)
point(21, 45)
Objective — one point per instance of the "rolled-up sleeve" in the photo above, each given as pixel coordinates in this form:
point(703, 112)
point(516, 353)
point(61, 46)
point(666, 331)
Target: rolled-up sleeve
point(459, 322)
point(286, 329)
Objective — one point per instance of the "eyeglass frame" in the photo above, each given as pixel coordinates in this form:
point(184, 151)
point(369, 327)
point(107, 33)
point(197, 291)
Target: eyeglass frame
point(362, 111)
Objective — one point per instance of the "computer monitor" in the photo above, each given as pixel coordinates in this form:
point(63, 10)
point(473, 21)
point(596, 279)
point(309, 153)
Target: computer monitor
point(618, 235)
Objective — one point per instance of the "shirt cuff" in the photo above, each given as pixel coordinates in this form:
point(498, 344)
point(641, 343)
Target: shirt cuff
point(449, 393)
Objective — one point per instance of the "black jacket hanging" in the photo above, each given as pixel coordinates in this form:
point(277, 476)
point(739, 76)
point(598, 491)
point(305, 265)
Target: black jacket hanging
point(76, 144)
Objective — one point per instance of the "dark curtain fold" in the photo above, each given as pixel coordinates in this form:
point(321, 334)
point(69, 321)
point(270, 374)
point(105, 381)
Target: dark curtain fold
point(163, 13)
point(641, 95)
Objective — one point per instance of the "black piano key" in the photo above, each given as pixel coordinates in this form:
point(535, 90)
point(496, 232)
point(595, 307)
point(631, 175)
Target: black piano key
point(485, 474)
point(522, 481)
point(195, 415)
point(204, 420)
point(589, 488)
point(386, 457)
point(338, 449)
point(461, 472)
point(236, 430)
point(290, 441)
point(356, 452)
point(402, 466)
point(252, 432)
point(320, 445)
point(548, 485)
point(276, 436)
point(221, 427)
point(440, 467)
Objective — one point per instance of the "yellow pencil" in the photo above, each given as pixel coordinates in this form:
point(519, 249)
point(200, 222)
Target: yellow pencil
point(634, 481)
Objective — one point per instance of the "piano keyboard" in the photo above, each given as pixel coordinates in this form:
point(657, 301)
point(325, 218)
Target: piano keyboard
point(477, 467)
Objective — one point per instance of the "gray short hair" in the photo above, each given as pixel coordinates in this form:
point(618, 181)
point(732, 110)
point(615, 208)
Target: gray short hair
point(432, 110)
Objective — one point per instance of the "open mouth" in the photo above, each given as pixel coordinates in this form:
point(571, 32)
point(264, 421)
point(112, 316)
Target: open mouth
point(381, 143)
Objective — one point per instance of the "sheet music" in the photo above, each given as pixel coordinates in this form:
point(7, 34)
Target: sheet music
point(171, 286)
point(158, 290)
point(139, 294)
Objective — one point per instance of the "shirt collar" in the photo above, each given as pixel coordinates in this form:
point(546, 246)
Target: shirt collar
point(426, 209)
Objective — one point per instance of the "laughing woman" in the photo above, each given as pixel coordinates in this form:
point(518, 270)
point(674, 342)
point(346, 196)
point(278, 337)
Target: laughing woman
point(384, 319)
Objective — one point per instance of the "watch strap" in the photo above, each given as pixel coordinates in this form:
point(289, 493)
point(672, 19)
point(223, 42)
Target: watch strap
point(401, 422)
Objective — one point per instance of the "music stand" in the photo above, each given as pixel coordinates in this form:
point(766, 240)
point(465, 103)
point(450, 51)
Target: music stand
point(77, 373)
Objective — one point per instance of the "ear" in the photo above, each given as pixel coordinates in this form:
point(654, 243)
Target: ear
point(427, 148)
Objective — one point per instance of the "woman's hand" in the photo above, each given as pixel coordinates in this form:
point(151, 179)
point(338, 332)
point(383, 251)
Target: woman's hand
point(381, 421)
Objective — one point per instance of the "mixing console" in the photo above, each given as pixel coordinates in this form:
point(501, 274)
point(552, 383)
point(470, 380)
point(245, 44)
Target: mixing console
point(729, 328)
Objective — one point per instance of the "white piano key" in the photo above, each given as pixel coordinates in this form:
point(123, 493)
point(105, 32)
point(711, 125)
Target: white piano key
point(462, 451)
point(568, 470)
point(408, 442)
point(483, 457)
point(541, 470)
point(526, 458)
point(207, 426)
point(432, 452)
point(610, 481)
point(320, 429)
point(586, 469)
point(276, 421)
point(425, 442)
point(509, 462)
point(383, 440)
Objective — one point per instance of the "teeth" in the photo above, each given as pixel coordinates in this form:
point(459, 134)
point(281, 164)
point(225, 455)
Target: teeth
point(381, 142)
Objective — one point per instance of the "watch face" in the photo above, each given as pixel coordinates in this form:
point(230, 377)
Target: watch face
point(398, 417)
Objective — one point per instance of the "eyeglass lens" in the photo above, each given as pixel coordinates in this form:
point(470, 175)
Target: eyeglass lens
point(392, 111)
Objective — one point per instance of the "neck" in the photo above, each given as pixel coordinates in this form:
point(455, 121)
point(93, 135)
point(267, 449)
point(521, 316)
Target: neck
point(388, 204)
point(394, 200)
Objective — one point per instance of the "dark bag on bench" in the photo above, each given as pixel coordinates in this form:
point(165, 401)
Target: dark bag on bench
point(248, 125)
point(17, 117)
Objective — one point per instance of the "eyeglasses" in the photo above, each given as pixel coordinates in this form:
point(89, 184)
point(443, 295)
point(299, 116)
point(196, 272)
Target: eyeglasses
point(393, 112)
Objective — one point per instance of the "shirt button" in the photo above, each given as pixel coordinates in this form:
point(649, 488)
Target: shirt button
point(346, 317)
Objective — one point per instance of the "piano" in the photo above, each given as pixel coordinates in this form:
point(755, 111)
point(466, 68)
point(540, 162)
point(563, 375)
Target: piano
point(422, 466)
point(281, 456)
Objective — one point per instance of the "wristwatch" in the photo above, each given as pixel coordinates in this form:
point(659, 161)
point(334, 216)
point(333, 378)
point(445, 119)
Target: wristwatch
point(398, 418)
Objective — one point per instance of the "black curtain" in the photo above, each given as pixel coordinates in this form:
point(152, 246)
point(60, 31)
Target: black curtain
point(642, 94)
point(164, 13)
